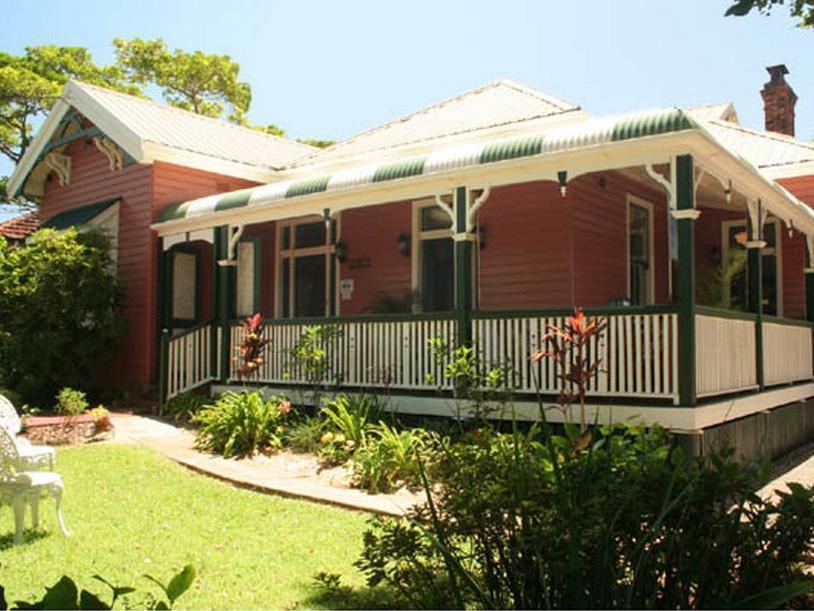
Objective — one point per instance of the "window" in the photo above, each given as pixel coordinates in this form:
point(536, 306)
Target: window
point(248, 274)
point(735, 236)
point(640, 252)
point(308, 272)
point(184, 287)
point(433, 258)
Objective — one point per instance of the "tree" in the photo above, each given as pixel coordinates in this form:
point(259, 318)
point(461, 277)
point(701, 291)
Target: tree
point(31, 83)
point(206, 84)
point(320, 144)
point(59, 312)
point(802, 10)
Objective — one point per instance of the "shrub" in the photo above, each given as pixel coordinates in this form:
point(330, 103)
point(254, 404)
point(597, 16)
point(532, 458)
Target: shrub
point(181, 408)
point(348, 420)
point(387, 458)
point(71, 402)
point(533, 520)
point(59, 312)
point(305, 434)
point(310, 357)
point(241, 424)
point(101, 418)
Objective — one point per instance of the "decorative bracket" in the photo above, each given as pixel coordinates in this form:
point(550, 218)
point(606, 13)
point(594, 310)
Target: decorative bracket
point(810, 249)
point(446, 208)
point(757, 218)
point(473, 209)
point(61, 164)
point(669, 185)
point(235, 233)
point(110, 150)
point(699, 177)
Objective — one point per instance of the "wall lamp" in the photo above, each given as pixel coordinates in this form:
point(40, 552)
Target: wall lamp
point(404, 242)
point(341, 251)
point(481, 236)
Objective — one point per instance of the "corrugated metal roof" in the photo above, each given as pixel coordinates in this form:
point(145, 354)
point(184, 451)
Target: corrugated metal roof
point(714, 112)
point(762, 149)
point(20, 227)
point(585, 134)
point(495, 104)
point(187, 131)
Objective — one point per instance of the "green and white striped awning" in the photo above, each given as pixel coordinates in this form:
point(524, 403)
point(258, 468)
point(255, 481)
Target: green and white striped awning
point(590, 133)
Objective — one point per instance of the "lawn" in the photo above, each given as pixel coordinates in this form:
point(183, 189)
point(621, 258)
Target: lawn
point(132, 512)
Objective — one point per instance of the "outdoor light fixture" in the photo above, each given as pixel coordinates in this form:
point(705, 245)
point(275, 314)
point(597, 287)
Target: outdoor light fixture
point(481, 236)
point(326, 214)
point(562, 179)
point(404, 243)
point(728, 193)
point(341, 251)
point(791, 229)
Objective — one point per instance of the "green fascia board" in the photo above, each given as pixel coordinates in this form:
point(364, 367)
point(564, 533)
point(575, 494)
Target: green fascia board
point(236, 199)
point(401, 169)
point(522, 147)
point(78, 216)
point(306, 187)
point(674, 120)
point(178, 210)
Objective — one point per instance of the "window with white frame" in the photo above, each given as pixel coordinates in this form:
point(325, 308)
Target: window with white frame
point(433, 257)
point(640, 252)
point(307, 271)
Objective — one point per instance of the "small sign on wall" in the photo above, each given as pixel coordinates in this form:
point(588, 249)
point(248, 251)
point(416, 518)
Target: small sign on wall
point(346, 288)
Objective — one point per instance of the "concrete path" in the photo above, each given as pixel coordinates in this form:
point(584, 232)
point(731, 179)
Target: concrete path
point(287, 475)
point(797, 467)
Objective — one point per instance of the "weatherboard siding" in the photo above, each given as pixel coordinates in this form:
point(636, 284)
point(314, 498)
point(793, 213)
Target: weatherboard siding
point(144, 190)
point(794, 258)
point(374, 262)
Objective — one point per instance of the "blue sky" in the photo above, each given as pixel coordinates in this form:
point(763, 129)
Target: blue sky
point(331, 69)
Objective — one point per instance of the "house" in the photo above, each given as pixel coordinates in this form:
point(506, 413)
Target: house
point(479, 220)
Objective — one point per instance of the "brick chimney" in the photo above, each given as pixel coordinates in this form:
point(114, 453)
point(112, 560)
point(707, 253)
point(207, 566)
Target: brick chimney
point(778, 101)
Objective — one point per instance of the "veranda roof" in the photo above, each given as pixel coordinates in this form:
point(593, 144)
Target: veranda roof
point(78, 216)
point(589, 135)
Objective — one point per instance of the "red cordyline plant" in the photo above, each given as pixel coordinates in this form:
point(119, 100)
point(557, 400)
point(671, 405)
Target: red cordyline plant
point(251, 348)
point(576, 366)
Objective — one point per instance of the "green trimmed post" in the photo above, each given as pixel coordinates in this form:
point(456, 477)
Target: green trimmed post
point(163, 365)
point(222, 309)
point(685, 215)
point(463, 268)
point(755, 285)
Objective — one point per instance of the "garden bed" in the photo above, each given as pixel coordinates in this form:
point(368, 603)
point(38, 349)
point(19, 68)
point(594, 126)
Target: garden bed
point(66, 430)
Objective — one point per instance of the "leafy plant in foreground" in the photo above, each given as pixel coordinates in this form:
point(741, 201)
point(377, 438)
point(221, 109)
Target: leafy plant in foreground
point(348, 421)
point(252, 346)
point(183, 407)
point(71, 402)
point(65, 594)
point(241, 424)
point(388, 458)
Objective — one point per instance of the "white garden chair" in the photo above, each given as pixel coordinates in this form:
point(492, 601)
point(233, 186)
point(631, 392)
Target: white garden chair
point(23, 488)
point(32, 457)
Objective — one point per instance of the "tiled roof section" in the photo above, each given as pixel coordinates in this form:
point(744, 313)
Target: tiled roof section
point(763, 149)
point(714, 112)
point(187, 131)
point(497, 103)
point(20, 227)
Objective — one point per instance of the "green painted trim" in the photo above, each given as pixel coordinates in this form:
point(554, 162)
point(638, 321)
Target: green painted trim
point(236, 199)
point(613, 311)
point(307, 187)
point(223, 282)
point(163, 365)
point(722, 313)
point(754, 266)
point(400, 169)
point(463, 270)
point(373, 318)
point(789, 322)
point(81, 134)
point(674, 120)
point(685, 200)
point(521, 147)
point(79, 216)
point(174, 211)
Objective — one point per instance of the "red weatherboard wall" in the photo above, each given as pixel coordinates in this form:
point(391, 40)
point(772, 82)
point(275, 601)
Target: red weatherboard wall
point(144, 191)
point(373, 258)
point(600, 233)
point(794, 251)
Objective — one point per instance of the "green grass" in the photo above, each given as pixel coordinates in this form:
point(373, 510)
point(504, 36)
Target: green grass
point(132, 512)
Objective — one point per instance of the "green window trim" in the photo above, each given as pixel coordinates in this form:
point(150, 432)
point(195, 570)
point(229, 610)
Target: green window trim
point(170, 293)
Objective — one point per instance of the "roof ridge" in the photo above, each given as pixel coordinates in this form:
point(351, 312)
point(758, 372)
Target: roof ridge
point(763, 134)
point(189, 113)
point(558, 102)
